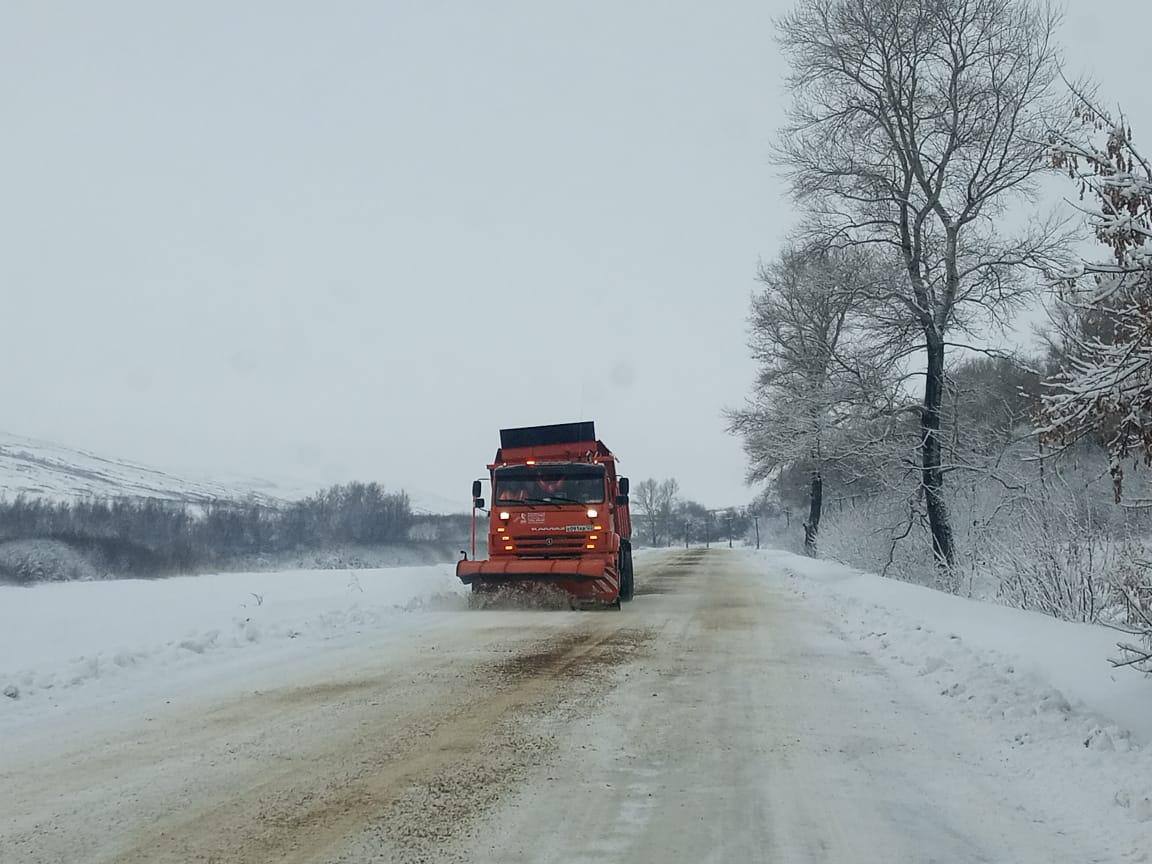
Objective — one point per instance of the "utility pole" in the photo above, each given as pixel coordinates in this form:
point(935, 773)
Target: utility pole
point(685, 534)
point(729, 529)
point(756, 522)
point(708, 529)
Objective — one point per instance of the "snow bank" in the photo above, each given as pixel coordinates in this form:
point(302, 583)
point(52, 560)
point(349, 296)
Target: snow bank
point(1045, 686)
point(1070, 657)
point(56, 637)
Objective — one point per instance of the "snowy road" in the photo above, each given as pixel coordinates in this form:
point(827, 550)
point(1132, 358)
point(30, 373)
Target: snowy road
point(719, 718)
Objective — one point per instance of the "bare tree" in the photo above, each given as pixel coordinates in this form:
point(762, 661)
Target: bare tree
point(665, 503)
point(654, 501)
point(820, 372)
point(646, 496)
point(915, 123)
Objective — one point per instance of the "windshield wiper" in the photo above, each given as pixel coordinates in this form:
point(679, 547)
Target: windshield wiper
point(525, 502)
point(559, 499)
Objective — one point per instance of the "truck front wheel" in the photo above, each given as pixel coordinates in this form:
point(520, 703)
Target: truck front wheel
point(627, 583)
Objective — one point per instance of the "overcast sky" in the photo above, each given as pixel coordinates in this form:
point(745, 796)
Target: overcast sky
point(352, 240)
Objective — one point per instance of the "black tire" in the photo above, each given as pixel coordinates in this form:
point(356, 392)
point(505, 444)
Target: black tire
point(627, 581)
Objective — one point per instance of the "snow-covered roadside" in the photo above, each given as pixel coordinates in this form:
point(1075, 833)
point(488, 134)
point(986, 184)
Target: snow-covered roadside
point(57, 639)
point(1039, 690)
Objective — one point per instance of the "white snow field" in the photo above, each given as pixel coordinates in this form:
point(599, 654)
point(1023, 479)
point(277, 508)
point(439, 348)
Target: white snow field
point(744, 707)
point(72, 643)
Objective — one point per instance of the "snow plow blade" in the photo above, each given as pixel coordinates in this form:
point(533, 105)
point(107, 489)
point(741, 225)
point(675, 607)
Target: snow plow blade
point(589, 579)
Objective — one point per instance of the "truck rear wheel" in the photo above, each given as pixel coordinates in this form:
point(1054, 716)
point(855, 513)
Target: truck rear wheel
point(627, 583)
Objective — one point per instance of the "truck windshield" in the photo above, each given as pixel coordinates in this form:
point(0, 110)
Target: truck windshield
point(567, 484)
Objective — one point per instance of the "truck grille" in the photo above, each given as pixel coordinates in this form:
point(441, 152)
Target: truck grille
point(550, 545)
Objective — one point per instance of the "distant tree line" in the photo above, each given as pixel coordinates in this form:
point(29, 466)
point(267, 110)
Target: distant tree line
point(151, 537)
point(665, 519)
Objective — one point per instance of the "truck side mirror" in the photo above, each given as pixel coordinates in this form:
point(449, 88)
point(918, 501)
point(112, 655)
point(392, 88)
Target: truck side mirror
point(475, 488)
point(478, 503)
point(622, 500)
point(623, 483)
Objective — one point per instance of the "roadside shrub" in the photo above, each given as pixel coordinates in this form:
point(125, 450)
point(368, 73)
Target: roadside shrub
point(25, 562)
point(1060, 563)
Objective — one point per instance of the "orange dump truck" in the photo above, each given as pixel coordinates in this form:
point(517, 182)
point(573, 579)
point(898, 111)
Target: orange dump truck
point(558, 517)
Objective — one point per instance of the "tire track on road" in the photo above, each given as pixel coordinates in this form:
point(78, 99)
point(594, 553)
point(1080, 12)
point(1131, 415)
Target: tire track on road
point(397, 792)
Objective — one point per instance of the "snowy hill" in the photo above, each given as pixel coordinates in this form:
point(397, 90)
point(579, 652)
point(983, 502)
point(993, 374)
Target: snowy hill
point(45, 470)
point(430, 502)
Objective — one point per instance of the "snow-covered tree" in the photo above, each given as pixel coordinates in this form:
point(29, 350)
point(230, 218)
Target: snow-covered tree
point(1105, 386)
point(821, 377)
point(914, 124)
point(1104, 317)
